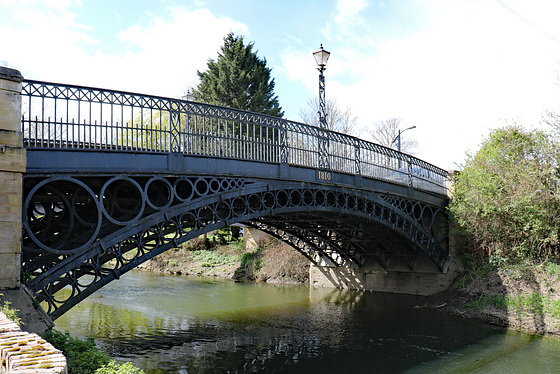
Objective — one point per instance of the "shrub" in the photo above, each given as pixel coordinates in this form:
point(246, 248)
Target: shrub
point(507, 199)
point(82, 356)
point(252, 260)
point(114, 367)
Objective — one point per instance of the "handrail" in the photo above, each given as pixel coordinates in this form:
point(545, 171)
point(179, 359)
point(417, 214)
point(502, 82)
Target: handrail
point(61, 116)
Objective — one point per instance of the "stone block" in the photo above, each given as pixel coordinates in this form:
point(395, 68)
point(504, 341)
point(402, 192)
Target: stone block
point(9, 270)
point(11, 138)
point(12, 159)
point(10, 111)
point(10, 234)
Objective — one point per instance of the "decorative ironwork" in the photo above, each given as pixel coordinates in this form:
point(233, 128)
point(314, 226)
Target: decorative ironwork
point(81, 232)
point(72, 117)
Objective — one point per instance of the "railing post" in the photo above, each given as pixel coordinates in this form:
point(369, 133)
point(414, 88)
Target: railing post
point(357, 160)
point(12, 167)
point(174, 128)
point(409, 171)
point(283, 143)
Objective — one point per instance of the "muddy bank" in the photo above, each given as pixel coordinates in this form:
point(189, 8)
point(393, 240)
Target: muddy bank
point(272, 261)
point(523, 298)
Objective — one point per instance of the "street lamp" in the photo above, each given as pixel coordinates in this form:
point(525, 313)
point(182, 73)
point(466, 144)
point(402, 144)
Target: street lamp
point(188, 96)
point(321, 57)
point(399, 137)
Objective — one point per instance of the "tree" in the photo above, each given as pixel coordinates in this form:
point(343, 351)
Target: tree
point(552, 119)
point(238, 79)
point(507, 196)
point(385, 132)
point(338, 119)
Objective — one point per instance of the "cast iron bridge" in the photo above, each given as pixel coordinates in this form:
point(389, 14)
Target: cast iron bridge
point(114, 179)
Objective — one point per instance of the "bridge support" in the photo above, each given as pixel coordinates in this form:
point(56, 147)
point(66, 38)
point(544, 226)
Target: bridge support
point(425, 279)
point(12, 166)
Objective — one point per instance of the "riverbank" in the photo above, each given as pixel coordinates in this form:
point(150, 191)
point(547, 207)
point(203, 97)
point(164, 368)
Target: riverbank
point(524, 298)
point(272, 261)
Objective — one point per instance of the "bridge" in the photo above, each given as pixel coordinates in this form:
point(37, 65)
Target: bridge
point(113, 179)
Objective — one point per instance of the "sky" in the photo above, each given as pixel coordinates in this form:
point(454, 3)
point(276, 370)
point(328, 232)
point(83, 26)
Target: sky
point(455, 69)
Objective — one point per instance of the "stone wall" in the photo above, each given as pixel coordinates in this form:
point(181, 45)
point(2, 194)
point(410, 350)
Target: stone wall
point(12, 165)
point(25, 353)
point(254, 238)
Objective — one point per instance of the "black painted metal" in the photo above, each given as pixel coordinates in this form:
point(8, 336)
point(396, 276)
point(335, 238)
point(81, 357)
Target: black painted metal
point(81, 232)
point(120, 178)
point(80, 118)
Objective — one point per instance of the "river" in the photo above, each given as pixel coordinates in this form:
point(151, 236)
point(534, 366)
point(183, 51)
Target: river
point(178, 324)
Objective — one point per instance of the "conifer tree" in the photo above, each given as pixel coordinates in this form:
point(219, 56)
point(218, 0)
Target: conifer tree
point(238, 78)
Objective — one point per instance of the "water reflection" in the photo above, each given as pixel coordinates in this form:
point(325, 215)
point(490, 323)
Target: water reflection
point(192, 325)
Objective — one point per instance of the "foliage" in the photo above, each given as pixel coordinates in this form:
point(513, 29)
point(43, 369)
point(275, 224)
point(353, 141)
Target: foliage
point(475, 270)
point(519, 305)
point(213, 258)
point(507, 199)
point(385, 133)
point(10, 312)
point(252, 261)
point(338, 119)
point(238, 78)
point(114, 367)
point(82, 356)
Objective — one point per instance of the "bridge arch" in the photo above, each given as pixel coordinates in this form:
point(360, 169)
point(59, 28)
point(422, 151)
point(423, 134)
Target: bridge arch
point(82, 232)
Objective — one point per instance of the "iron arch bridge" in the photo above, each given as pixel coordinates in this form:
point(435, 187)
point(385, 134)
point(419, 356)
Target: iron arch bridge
point(114, 179)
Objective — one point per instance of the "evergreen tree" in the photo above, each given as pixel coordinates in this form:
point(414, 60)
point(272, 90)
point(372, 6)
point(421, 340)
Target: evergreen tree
point(238, 79)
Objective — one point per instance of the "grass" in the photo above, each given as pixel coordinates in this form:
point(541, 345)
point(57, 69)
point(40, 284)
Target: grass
point(210, 258)
point(523, 294)
point(10, 312)
point(522, 304)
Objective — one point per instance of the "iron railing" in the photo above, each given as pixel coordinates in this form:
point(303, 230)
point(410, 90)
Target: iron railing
point(58, 116)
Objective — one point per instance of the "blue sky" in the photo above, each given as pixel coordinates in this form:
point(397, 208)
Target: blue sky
point(455, 69)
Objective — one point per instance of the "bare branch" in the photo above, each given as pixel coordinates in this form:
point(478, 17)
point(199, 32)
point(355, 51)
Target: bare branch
point(338, 119)
point(385, 132)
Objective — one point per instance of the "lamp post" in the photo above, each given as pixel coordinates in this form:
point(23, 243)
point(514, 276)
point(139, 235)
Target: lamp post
point(321, 57)
point(399, 137)
point(399, 143)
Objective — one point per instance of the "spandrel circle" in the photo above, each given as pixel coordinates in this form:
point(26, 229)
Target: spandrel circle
point(61, 215)
point(123, 200)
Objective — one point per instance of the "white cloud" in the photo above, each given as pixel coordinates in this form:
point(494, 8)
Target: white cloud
point(62, 4)
point(169, 51)
point(160, 57)
point(473, 66)
point(348, 10)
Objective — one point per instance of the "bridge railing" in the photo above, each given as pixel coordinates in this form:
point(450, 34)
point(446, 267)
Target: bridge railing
point(57, 116)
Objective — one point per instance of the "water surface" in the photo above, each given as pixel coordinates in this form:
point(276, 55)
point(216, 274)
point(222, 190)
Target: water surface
point(174, 324)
